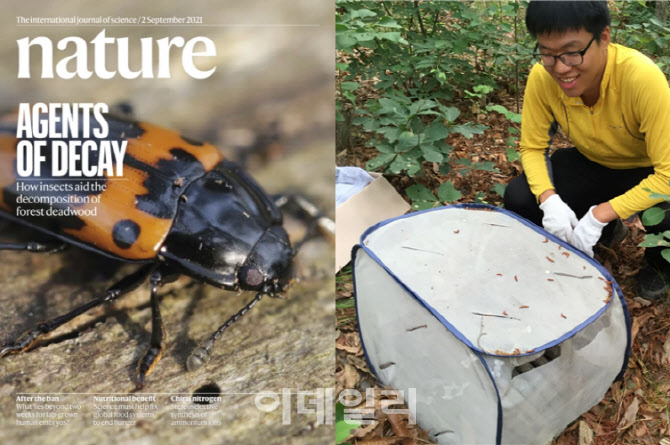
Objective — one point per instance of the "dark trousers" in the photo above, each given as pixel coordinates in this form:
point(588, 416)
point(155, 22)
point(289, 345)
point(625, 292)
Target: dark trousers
point(582, 183)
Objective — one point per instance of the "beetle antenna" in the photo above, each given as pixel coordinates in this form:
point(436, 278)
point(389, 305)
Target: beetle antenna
point(201, 355)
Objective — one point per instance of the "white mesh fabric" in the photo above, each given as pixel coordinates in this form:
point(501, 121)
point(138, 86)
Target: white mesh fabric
point(491, 273)
point(455, 397)
point(474, 272)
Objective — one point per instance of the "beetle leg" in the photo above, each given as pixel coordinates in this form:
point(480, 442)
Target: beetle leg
point(125, 285)
point(200, 355)
point(307, 210)
point(157, 344)
point(34, 246)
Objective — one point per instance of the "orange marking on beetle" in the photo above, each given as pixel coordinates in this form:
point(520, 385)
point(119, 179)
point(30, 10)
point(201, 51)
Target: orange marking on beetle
point(550, 260)
point(563, 316)
point(566, 254)
point(516, 278)
point(156, 142)
point(525, 306)
point(457, 231)
point(7, 163)
point(117, 202)
point(499, 274)
point(550, 279)
point(530, 351)
point(505, 313)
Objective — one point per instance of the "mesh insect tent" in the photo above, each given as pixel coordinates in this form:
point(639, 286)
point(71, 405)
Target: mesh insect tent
point(506, 333)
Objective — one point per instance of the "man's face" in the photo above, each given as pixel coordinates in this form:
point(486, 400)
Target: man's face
point(577, 80)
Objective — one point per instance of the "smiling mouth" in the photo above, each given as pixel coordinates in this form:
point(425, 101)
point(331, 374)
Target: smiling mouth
point(568, 82)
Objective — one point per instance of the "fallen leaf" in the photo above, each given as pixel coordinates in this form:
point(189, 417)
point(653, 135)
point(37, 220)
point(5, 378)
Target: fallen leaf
point(642, 301)
point(639, 322)
point(666, 349)
point(585, 434)
point(348, 376)
point(382, 441)
point(349, 342)
point(364, 430)
point(630, 415)
point(398, 425)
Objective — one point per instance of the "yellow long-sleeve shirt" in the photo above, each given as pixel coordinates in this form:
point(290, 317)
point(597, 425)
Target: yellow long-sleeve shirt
point(628, 127)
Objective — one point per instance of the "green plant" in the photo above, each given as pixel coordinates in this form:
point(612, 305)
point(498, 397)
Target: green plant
point(409, 132)
point(422, 198)
point(651, 217)
point(343, 427)
point(634, 25)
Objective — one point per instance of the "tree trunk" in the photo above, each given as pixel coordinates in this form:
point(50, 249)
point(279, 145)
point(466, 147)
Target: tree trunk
point(661, 10)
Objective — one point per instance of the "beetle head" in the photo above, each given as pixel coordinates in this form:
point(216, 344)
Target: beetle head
point(268, 267)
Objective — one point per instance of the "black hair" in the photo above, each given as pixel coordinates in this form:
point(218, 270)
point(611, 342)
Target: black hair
point(543, 17)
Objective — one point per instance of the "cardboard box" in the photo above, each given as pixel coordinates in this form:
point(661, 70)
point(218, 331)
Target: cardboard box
point(374, 203)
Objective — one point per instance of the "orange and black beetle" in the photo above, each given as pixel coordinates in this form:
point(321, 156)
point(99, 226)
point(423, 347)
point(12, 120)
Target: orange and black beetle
point(179, 208)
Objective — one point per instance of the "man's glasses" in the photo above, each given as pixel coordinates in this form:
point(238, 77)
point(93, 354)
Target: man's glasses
point(570, 58)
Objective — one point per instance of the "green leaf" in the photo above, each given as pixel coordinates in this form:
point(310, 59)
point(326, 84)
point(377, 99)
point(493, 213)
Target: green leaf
point(390, 133)
point(656, 21)
point(486, 166)
point(344, 41)
point(341, 66)
point(653, 216)
point(343, 427)
point(446, 192)
point(654, 240)
point(345, 303)
point(445, 169)
point(665, 253)
point(424, 205)
point(514, 117)
point(419, 192)
point(388, 22)
point(468, 130)
point(369, 123)
point(389, 106)
point(464, 161)
point(407, 141)
point(349, 96)
point(499, 189)
point(405, 162)
point(339, 117)
point(380, 161)
point(430, 153)
point(361, 13)
point(436, 131)
point(450, 113)
point(350, 86)
point(384, 147)
point(443, 146)
point(655, 195)
point(479, 197)
point(392, 36)
point(512, 155)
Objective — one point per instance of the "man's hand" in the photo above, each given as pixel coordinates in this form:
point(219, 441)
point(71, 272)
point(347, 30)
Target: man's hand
point(587, 233)
point(559, 219)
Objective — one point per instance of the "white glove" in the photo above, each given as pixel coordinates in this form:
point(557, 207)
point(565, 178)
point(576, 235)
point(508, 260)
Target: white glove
point(559, 219)
point(587, 233)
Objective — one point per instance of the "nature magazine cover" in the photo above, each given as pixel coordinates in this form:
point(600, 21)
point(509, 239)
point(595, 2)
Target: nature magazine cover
point(148, 152)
